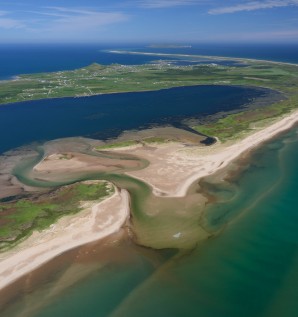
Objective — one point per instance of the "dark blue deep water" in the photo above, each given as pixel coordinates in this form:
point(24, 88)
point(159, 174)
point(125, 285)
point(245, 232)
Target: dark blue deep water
point(23, 59)
point(106, 116)
point(275, 52)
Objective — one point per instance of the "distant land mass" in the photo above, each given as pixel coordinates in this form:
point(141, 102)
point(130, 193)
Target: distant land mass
point(168, 46)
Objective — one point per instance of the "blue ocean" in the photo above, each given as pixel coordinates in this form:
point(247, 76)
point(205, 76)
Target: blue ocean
point(24, 59)
point(249, 269)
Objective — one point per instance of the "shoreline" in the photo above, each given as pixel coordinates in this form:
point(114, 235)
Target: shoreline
point(138, 91)
point(93, 223)
point(212, 57)
point(202, 56)
point(174, 168)
point(246, 145)
point(70, 231)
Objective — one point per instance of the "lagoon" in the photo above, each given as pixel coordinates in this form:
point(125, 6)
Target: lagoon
point(107, 116)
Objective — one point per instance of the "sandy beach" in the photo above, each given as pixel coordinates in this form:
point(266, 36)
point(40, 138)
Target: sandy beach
point(98, 220)
point(173, 167)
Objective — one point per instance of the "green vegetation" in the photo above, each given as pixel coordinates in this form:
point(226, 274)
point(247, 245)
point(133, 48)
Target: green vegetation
point(144, 141)
point(158, 140)
point(117, 145)
point(94, 79)
point(232, 126)
point(100, 79)
point(20, 218)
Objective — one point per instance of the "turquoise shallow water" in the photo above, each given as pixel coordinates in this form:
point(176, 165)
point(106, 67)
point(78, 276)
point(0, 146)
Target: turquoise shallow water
point(249, 269)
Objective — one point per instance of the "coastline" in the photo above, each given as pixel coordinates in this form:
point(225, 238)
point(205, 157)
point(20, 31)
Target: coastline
point(133, 92)
point(190, 163)
point(202, 56)
point(172, 170)
point(246, 145)
point(177, 167)
point(95, 222)
point(210, 57)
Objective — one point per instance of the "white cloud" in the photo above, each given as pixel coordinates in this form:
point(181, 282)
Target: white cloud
point(50, 14)
point(70, 22)
point(83, 22)
point(9, 23)
point(6, 23)
point(289, 35)
point(273, 35)
point(153, 4)
point(3, 13)
point(254, 5)
point(60, 23)
point(78, 11)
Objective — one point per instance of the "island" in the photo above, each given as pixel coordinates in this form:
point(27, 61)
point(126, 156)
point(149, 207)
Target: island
point(169, 46)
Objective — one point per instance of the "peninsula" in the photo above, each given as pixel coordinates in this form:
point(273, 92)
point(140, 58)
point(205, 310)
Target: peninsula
point(168, 73)
point(160, 166)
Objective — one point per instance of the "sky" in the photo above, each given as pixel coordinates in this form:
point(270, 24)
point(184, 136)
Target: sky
point(154, 21)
